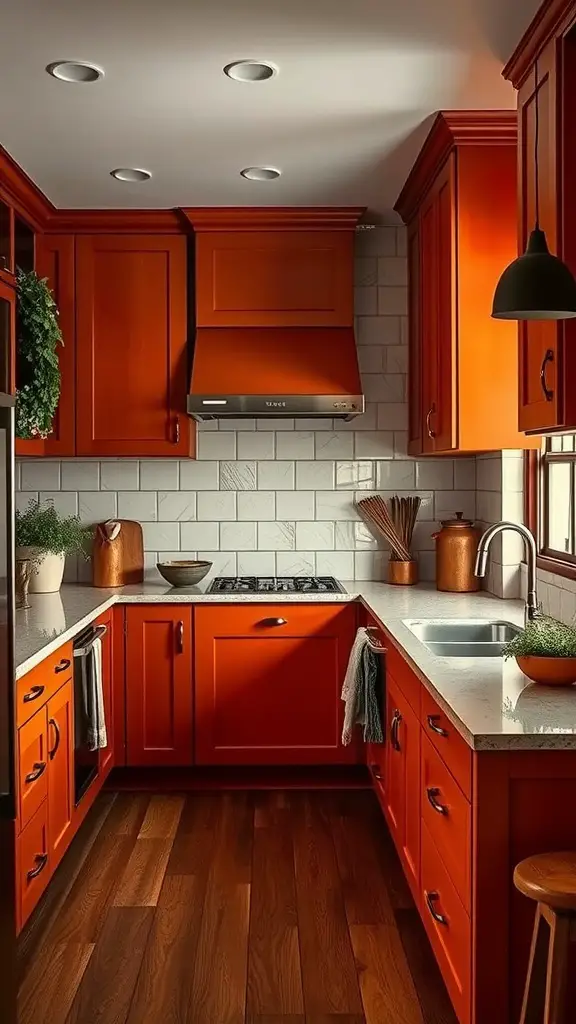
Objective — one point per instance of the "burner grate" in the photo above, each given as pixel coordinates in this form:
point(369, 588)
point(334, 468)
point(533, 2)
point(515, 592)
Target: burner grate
point(274, 585)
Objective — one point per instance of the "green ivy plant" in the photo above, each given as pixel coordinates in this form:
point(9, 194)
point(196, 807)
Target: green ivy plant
point(40, 526)
point(545, 637)
point(37, 352)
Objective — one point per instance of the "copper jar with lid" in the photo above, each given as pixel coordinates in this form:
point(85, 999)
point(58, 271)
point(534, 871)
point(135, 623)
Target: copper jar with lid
point(456, 547)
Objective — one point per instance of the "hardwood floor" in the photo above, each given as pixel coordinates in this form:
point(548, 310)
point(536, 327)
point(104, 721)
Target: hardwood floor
point(284, 907)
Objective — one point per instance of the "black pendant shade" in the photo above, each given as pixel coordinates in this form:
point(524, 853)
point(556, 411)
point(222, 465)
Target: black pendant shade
point(536, 286)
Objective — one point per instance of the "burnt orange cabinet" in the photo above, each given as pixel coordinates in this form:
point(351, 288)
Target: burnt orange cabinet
point(268, 681)
point(459, 203)
point(32, 766)
point(275, 278)
point(33, 867)
point(7, 337)
point(402, 789)
point(131, 346)
point(60, 726)
point(159, 685)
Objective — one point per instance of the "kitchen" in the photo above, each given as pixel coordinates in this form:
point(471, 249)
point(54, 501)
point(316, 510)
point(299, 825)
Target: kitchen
point(236, 383)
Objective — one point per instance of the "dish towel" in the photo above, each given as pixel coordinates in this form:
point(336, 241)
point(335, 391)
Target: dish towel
point(362, 691)
point(93, 697)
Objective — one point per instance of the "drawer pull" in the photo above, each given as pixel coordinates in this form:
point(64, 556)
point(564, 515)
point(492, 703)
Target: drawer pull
point(274, 622)
point(33, 694)
point(62, 665)
point(394, 728)
point(52, 753)
point(431, 898)
point(432, 719)
point(432, 792)
point(180, 637)
point(376, 772)
point(37, 771)
point(41, 861)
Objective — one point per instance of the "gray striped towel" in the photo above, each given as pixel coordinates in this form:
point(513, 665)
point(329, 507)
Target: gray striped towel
point(362, 691)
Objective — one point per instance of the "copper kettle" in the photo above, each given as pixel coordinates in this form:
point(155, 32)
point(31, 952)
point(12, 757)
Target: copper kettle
point(456, 547)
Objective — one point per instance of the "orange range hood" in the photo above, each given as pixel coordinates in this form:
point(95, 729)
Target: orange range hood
point(275, 371)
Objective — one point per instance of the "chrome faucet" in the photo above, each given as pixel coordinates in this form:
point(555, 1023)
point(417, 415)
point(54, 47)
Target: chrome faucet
point(531, 608)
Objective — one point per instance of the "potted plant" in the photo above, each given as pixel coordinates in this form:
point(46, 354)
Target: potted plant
point(545, 651)
point(39, 336)
point(45, 537)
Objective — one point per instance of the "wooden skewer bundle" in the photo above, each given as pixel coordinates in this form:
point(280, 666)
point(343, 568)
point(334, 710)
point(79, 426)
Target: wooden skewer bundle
point(395, 524)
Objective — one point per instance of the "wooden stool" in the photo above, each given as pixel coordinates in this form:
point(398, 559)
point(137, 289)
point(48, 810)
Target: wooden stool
point(549, 878)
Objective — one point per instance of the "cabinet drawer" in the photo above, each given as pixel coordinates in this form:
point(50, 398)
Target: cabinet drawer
point(37, 686)
point(33, 867)
point(448, 926)
point(452, 748)
point(270, 620)
point(447, 815)
point(32, 766)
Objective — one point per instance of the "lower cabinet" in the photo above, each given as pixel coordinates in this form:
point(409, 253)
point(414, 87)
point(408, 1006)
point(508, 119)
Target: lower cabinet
point(33, 867)
point(60, 710)
point(402, 780)
point(159, 685)
point(268, 680)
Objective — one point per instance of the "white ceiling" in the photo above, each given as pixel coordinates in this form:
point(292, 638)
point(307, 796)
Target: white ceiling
point(343, 119)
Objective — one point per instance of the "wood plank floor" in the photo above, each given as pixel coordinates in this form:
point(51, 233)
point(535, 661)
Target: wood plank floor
point(284, 907)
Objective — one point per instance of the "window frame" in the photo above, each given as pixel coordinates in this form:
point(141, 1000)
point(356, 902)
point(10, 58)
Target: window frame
point(535, 505)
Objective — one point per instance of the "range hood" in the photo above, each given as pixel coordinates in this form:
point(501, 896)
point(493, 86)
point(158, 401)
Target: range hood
point(309, 372)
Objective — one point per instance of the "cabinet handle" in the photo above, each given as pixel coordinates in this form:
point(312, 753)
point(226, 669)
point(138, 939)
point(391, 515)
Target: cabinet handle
point(37, 771)
point(62, 665)
point(176, 434)
point(33, 694)
point(274, 622)
point(180, 637)
point(432, 719)
point(3, 263)
point(548, 358)
point(431, 898)
point(52, 753)
point(431, 413)
point(376, 772)
point(394, 727)
point(41, 861)
point(432, 792)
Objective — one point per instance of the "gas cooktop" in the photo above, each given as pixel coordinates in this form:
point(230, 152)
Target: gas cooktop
point(275, 585)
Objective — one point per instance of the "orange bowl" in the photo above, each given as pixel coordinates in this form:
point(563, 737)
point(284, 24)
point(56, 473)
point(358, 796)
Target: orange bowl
point(548, 671)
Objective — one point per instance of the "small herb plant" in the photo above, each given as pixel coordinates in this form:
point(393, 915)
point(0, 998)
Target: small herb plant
point(40, 526)
point(545, 637)
point(37, 351)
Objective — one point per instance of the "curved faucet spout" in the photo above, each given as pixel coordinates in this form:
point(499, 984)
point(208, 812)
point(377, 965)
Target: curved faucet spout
point(530, 550)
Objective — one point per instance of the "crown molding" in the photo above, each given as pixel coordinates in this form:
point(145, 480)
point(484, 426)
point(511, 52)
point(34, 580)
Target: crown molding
point(452, 129)
point(17, 189)
point(134, 222)
point(269, 218)
point(553, 18)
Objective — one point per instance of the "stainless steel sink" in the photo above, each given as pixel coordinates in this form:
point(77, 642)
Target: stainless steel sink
point(463, 638)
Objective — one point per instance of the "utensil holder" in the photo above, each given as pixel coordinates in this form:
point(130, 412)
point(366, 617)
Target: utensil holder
point(404, 574)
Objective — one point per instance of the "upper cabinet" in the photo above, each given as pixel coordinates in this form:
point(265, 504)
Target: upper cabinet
point(543, 69)
point(459, 204)
point(131, 346)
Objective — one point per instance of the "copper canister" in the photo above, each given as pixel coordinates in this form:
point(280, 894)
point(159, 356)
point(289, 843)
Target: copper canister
point(456, 547)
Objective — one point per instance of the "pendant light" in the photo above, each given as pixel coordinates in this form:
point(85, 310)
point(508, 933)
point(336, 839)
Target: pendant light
point(537, 285)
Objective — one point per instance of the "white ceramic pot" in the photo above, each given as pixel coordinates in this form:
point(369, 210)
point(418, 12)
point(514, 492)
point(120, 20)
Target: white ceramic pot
point(48, 570)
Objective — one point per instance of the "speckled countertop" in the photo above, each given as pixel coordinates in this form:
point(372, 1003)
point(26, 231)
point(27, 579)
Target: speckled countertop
point(491, 703)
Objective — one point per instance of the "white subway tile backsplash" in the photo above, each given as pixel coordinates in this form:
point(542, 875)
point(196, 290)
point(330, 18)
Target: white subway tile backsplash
point(24, 498)
point(161, 536)
point(370, 565)
point(427, 566)
point(216, 505)
point(121, 475)
point(366, 301)
point(256, 505)
point(221, 445)
point(41, 476)
point(299, 444)
point(97, 506)
point(447, 503)
point(276, 536)
point(238, 476)
point(256, 563)
point(378, 330)
point(465, 474)
point(275, 476)
point(295, 505)
point(435, 473)
point(400, 444)
point(489, 475)
point(351, 536)
point(175, 506)
point(365, 271)
point(237, 536)
point(320, 423)
point(76, 476)
point(199, 535)
point(296, 563)
point(336, 445)
point(371, 358)
point(392, 301)
point(139, 505)
point(160, 474)
point(396, 473)
point(380, 241)
point(335, 505)
point(392, 270)
point(392, 416)
point(396, 359)
point(275, 423)
point(354, 476)
point(258, 445)
point(65, 502)
point(311, 476)
point(230, 423)
point(335, 563)
point(365, 421)
point(314, 536)
point(224, 563)
point(199, 476)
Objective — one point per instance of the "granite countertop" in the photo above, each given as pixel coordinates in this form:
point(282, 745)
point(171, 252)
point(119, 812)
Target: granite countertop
point(491, 703)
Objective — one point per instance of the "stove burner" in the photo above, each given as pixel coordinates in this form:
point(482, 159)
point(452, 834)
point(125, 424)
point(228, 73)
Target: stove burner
point(274, 585)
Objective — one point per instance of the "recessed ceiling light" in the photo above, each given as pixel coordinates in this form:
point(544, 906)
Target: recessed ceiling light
point(131, 174)
point(75, 71)
point(260, 173)
point(250, 70)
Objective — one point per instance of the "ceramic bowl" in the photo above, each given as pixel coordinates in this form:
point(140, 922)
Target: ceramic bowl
point(183, 574)
point(548, 671)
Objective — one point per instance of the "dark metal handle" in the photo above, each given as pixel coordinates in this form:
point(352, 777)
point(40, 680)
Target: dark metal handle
point(41, 861)
point(394, 727)
point(274, 622)
point(33, 694)
point(431, 412)
point(431, 898)
point(37, 771)
point(3, 263)
point(432, 792)
point(180, 636)
point(176, 431)
point(376, 772)
point(548, 358)
point(62, 665)
point(52, 753)
point(432, 719)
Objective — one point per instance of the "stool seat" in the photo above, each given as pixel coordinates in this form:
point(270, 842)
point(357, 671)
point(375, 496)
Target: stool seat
point(549, 878)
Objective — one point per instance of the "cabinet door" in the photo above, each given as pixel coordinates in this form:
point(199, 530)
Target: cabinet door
point(415, 398)
point(131, 365)
point(268, 680)
point(33, 865)
point(32, 766)
point(106, 755)
point(274, 278)
point(402, 793)
point(7, 338)
point(60, 770)
point(159, 685)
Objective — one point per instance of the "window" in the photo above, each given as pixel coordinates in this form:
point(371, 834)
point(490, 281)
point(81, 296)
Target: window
point(558, 498)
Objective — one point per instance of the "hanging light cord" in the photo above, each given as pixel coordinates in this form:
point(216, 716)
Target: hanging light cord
point(536, 139)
